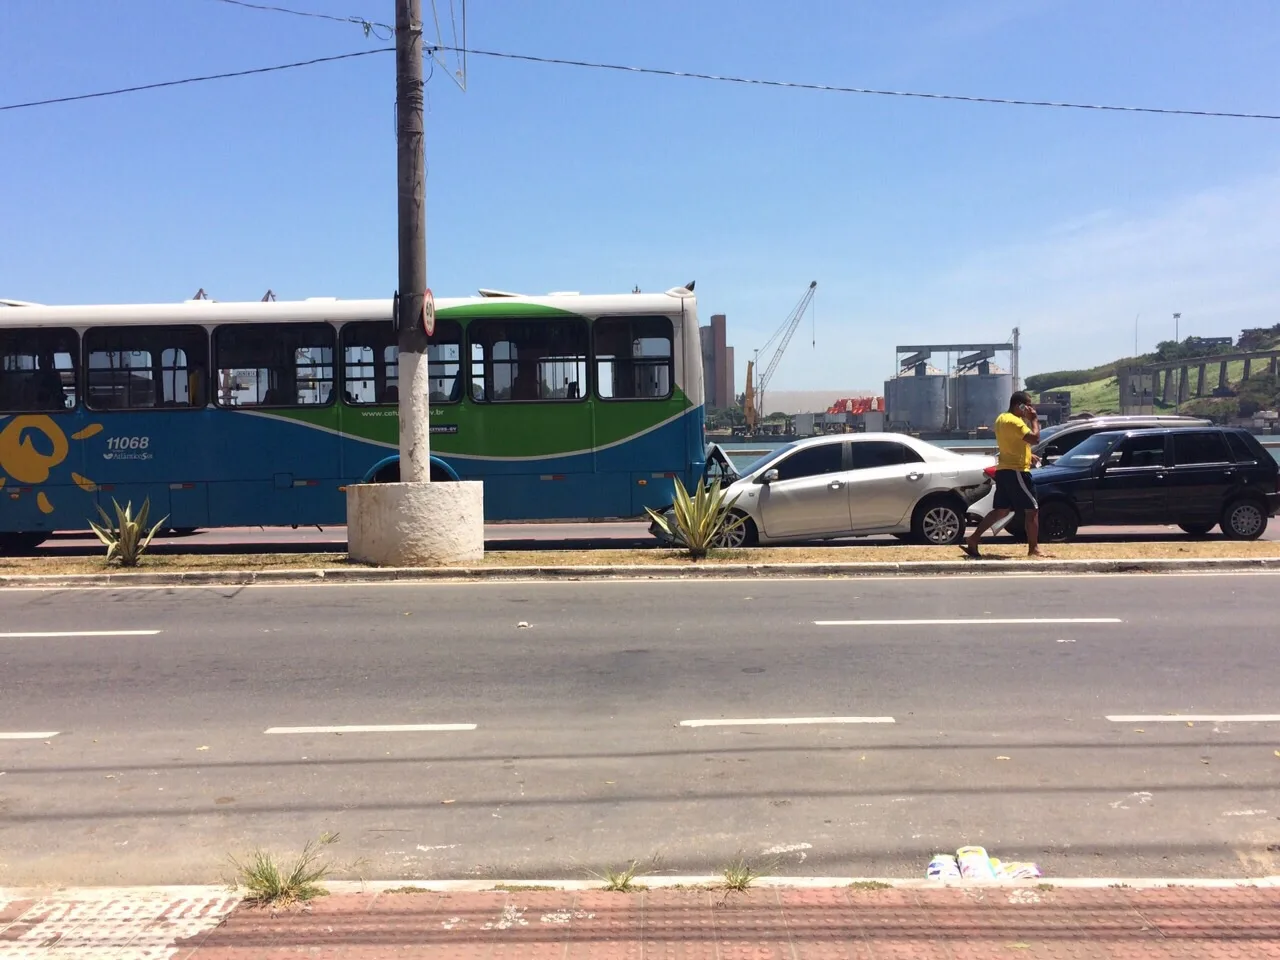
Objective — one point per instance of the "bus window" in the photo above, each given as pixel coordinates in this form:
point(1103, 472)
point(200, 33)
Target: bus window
point(370, 362)
point(38, 369)
point(514, 360)
point(274, 364)
point(633, 357)
point(141, 368)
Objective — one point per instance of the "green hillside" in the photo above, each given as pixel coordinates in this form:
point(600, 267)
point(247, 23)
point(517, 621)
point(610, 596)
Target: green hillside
point(1097, 390)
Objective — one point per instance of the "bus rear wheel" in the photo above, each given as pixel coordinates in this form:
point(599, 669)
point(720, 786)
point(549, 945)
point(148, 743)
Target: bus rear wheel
point(17, 544)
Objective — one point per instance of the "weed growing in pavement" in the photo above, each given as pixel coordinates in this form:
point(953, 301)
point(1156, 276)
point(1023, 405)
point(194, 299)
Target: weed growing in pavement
point(127, 537)
point(870, 885)
point(408, 889)
point(271, 885)
point(520, 887)
point(1045, 886)
point(739, 875)
point(620, 881)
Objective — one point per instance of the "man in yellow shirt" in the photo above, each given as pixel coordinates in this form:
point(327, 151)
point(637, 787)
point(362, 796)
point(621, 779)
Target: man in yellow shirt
point(1017, 431)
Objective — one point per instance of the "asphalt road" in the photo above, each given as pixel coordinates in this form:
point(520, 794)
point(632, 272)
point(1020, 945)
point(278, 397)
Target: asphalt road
point(502, 536)
point(149, 758)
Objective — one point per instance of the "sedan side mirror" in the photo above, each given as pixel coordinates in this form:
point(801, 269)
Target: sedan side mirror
point(769, 475)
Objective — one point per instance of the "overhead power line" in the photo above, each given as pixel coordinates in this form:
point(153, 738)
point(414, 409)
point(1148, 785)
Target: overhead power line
point(649, 71)
point(784, 84)
point(369, 26)
point(186, 80)
point(866, 91)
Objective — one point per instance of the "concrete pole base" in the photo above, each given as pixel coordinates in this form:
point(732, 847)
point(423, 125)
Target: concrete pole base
point(415, 524)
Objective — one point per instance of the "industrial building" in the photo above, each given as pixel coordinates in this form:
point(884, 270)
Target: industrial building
point(963, 399)
point(717, 365)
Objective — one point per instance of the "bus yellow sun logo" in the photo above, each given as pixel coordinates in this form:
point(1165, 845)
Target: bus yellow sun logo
point(25, 461)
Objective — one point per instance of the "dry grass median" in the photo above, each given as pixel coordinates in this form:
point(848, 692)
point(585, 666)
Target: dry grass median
point(1174, 548)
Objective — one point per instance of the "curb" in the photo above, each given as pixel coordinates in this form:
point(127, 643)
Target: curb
point(343, 887)
point(710, 571)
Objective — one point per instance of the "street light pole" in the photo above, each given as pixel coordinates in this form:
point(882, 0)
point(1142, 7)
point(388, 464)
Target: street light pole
point(1177, 378)
point(411, 307)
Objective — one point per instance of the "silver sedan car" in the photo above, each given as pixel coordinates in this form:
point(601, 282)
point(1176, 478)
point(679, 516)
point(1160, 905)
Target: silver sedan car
point(848, 485)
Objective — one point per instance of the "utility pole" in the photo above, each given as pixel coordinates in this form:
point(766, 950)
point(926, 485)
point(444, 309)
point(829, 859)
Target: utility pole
point(413, 312)
point(413, 522)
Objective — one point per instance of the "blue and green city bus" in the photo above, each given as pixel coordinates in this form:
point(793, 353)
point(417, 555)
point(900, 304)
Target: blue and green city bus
point(239, 414)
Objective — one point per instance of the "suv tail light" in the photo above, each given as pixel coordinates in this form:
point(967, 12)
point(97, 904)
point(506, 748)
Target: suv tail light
point(990, 474)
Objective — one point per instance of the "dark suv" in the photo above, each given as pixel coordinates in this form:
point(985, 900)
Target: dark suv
point(1195, 477)
point(1056, 441)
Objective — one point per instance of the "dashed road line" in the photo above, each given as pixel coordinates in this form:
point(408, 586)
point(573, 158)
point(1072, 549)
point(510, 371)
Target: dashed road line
point(1195, 718)
point(1021, 621)
point(52, 634)
point(378, 728)
point(23, 735)
point(781, 721)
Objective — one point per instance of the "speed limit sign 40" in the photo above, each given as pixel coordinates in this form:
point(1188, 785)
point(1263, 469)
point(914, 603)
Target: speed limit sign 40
point(429, 312)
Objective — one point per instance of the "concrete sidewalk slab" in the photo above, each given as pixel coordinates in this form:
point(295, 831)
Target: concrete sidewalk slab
point(905, 922)
point(126, 923)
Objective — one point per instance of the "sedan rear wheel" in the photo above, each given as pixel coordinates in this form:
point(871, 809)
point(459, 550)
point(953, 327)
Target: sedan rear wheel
point(938, 523)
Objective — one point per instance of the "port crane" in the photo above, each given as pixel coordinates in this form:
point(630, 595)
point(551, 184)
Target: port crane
point(753, 400)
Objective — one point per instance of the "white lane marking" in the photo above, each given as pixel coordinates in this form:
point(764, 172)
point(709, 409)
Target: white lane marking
point(44, 634)
point(1196, 718)
point(1027, 621)
point(28, 736)
point(378, 728)
point(782, 721)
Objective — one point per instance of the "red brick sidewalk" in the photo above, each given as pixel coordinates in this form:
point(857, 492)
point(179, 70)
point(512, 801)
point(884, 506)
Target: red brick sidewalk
point(982, 923)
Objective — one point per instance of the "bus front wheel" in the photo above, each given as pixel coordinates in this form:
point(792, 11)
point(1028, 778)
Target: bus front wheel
point(391, 474)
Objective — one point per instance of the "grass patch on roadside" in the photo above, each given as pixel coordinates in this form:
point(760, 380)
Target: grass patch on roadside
point(870, 885)
point(269, 884)
point(521, 887)
point(620, 880)
point(1001, 548)
point(408, 889)
point(739, 875)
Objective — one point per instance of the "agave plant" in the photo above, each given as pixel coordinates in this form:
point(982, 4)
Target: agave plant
point(700, 521)
point(127, 537)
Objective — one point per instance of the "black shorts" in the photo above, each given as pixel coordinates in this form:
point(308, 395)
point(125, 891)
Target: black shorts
point(1015, 491)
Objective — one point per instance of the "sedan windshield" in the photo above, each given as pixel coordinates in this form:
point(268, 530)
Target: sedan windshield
point(1088, 452)
point(772, 455)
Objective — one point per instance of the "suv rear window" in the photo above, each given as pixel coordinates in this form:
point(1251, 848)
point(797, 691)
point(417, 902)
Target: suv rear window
point(1193, 447)
point(1240, 449)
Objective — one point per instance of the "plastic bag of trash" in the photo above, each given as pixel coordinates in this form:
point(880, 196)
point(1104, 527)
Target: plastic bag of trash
point(1015, 870)
point(975, 864)
point(943, 867)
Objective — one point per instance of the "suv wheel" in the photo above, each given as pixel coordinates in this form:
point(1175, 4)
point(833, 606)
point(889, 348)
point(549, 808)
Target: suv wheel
point(1058, 523)
point(1244, 519)
point(938, 523)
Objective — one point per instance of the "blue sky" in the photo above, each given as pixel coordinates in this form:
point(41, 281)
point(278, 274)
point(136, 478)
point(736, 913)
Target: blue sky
point(920, 220)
